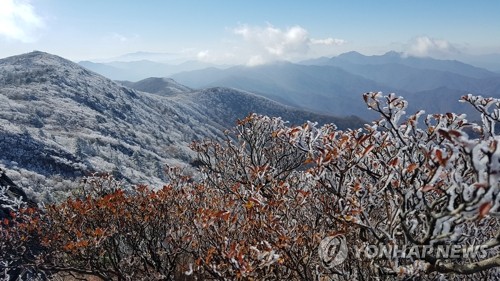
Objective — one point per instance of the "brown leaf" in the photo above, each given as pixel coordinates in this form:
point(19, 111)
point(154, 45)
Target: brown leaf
point(427, 188)
point(441, 159)
point(394, 161)
point(481, 185)
point(368, 149)
point(493, 146)
point(444, 133)
point(455, 133)
point(484, 209)
point(412, 167)
point(308, 160)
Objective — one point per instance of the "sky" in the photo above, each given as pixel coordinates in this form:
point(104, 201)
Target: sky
point(248, 32)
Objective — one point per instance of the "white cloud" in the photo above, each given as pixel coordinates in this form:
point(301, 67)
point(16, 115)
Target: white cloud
point(270, 43)
point(425, 46)
point(256, 60)
point(328, 41)
point(19, 21)
point(276, 41)
point(203, 55)
point(119, 37)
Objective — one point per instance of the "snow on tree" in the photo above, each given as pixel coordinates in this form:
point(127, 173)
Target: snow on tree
point(269, 194)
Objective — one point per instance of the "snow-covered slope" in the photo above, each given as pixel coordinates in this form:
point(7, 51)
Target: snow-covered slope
point(59, 121)
point(227, 105)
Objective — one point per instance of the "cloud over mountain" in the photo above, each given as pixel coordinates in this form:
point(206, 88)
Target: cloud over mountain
point(271, 43)
point(424, 46)
point(19, 21)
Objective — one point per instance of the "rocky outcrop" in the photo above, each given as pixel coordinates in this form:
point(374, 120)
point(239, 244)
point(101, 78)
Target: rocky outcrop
point(11, 193)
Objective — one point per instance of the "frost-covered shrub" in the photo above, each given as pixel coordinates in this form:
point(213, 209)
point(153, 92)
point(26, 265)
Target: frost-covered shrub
point(270, 195)
point(409, 181)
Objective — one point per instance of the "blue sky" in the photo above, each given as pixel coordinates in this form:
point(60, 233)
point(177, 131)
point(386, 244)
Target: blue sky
point(249, 32)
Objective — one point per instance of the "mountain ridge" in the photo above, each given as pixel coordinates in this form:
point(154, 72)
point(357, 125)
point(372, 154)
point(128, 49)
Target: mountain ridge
point(323, 89)
point(392, 57)
point(335, 85)
point(158, 85)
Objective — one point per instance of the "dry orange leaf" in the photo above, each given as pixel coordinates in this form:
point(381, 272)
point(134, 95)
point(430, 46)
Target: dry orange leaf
point(484, 209)
point(412, 167)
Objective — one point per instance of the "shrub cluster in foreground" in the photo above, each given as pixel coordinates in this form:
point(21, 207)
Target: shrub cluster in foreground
point(269, 194)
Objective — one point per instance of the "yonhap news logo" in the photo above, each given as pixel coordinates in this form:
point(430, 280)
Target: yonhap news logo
point(333, 251)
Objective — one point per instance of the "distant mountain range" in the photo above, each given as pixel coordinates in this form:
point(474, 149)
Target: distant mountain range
point(350, 59)
point(141, 69)
point(335, 85)
point(488, 61)
point(317, 88)
point(59, 121)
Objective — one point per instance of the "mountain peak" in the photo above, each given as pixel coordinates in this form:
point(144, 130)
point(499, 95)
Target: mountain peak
point(39, 62)
point(160, 86)
point(351, 55)
point(36, 57)
point(355, 57)
point(393, 54)
point(42, 67)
